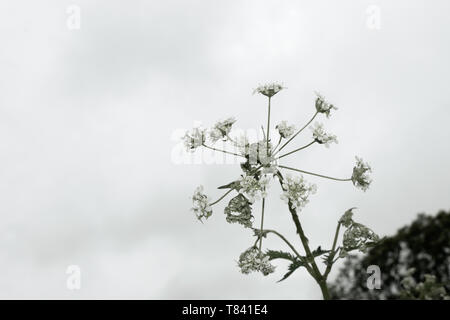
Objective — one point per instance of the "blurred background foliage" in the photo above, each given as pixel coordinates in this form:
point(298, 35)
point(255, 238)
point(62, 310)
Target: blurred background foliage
point(423, 245)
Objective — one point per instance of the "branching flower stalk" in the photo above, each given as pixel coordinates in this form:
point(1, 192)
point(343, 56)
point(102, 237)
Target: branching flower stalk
point(260, 167)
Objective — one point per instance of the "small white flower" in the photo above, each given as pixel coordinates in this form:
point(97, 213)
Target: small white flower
point(253, 188)
point(320, 136)
point(194, 139)
point(200, 204)
point(285, 130)
point(297, 191)
point(269, 89)
point(323, 106)
point(254, 260)
point(221, 129)
point(360, 178)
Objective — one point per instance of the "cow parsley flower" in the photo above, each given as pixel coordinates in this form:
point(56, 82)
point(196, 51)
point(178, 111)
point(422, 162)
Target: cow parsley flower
point(358, 237)
point(269, 89)
point(285, 130)
point(194, 139)
point(221, 129)
point(320, 136)
point(360, 178)
point(254, 260)
point(297, 191)
point(322, 106)
point(200, 203)
point(254, 189)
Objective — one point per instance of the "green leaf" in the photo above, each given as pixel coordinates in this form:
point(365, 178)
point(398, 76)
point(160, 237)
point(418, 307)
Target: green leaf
point(292, 267)
point(231, 185)
point(239, 210)
point(319, 252)
point(258, 233)
point(280, 255)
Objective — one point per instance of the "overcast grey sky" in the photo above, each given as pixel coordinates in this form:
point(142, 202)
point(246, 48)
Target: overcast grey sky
point(88, 116)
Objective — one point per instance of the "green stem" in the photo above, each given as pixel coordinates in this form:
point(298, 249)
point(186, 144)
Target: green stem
point(296, 134)
point(307, 266)
point(268, 128)
point(267, 150)
point(226, 193)
point(224, 151)
point(304, 147)
point(333, 251)
point(278, 144)
point(314, 174)
point(321, 281)
point(262, 223)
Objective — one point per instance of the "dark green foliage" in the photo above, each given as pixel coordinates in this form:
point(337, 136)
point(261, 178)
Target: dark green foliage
point(239, 210)
point(292, 267)
point(319, 251)
point(231, 185)
point(296, 263)
point(423, 245)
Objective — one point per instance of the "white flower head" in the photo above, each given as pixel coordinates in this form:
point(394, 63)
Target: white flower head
point(254, 189)
point(322, 106)
point(269, 89)
point(200, 204)
point(297, 191)
point(320, 136)
point(254, 260)
point(194, 139)
point(285, 130)
point(221, 129)
point(360, 178)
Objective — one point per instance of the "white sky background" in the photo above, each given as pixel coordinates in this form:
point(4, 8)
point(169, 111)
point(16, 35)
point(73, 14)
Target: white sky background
point(87, 119)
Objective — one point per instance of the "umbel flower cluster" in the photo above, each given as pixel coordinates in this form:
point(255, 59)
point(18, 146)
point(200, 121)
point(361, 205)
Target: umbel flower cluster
point(260, 168)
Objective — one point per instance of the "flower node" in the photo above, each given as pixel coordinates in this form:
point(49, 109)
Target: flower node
point(252, 260)
point(269, 89)
point(297, 191)
point(360, 178)
point(200, 203)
